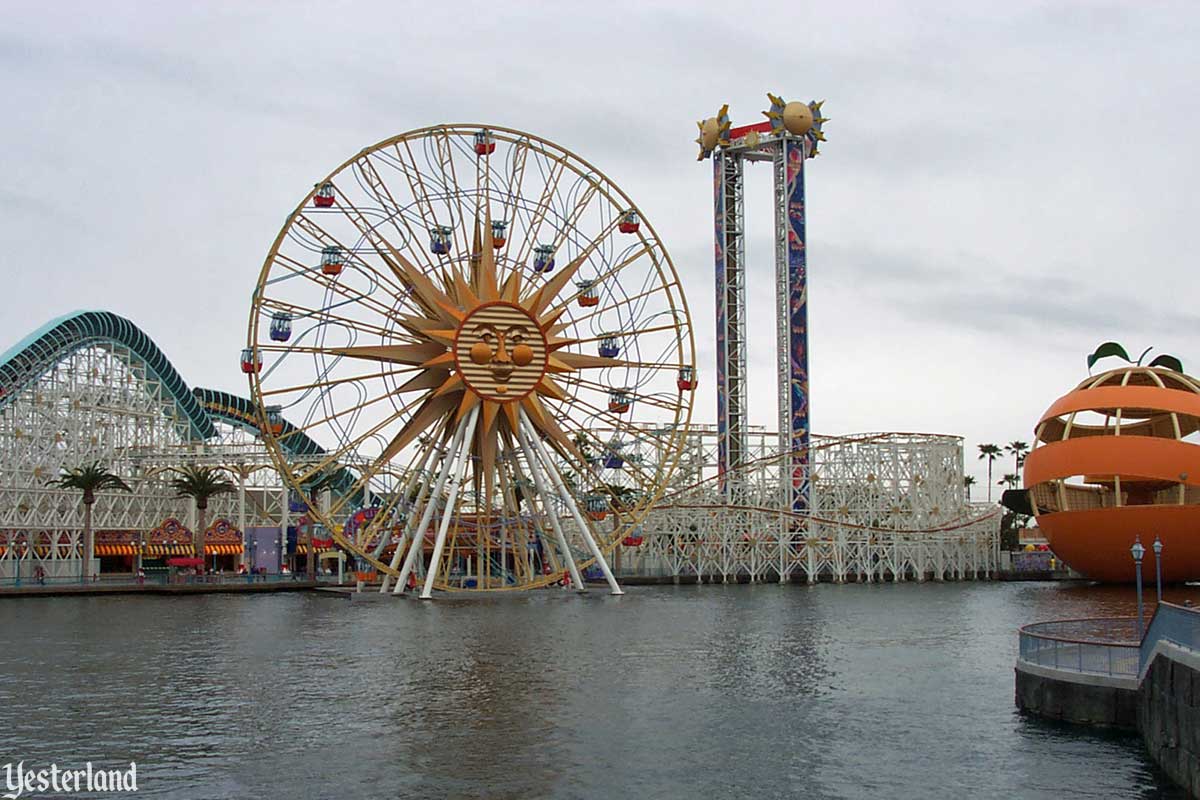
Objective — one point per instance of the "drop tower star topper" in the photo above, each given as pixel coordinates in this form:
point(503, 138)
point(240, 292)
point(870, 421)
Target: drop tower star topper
point(792, 118)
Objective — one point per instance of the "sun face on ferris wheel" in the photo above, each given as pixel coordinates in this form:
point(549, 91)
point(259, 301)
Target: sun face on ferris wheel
point(495, 347)
point(475, 334)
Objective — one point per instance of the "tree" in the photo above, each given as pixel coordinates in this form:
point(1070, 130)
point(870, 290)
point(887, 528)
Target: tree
point(968, 482)
point(1010, 479)
point(1018, 450)
point(89, 480)
point(991, 452)
point(200, 483)
point(1011, 524)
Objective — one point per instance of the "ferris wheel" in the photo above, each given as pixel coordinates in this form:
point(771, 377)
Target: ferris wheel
point(474, 335)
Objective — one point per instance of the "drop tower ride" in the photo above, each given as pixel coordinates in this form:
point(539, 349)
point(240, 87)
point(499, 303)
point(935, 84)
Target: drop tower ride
point(786, 140)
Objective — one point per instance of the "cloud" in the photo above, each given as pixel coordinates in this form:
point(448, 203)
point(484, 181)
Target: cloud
point(1003, 187)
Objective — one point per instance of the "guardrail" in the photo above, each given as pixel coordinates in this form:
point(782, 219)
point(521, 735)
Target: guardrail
point(160, 579)
point(1171, 623)
point(1096, 646)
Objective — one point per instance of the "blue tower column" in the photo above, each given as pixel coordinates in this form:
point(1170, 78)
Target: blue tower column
point(791, 281)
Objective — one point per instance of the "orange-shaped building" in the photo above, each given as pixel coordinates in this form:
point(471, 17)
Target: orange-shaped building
point(1116, 458)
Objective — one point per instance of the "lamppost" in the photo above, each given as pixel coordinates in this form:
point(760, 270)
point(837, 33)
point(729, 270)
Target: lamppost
point(1157, 547)
point(1138, 551)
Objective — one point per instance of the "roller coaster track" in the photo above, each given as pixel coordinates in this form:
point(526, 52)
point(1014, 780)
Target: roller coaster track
point(40, 351)
point(689, 497)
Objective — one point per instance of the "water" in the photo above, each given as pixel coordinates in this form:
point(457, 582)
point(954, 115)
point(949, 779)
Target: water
point(823, 692)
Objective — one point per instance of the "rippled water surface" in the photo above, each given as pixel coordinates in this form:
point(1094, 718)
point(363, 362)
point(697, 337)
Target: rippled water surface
point(823, 692)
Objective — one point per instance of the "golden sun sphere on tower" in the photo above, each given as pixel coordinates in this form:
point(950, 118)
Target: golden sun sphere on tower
point(710, 132)
point(797, 118)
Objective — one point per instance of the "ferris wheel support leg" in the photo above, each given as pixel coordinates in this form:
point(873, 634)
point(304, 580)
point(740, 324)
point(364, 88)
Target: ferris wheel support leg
point(418, 536)
point(571, 505)
point(458, 471)
point(546, 494)
point(404, 537)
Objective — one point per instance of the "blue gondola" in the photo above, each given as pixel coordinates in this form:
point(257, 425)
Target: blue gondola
point(281, 326)
point(609, 347)
point(439, 239)
point(543, 258)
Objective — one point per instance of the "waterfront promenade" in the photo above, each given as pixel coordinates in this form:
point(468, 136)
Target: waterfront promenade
point(1104, 672)
point(160, 585)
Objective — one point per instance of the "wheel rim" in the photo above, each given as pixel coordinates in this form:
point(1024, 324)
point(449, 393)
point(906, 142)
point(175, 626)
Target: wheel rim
point(547, 347)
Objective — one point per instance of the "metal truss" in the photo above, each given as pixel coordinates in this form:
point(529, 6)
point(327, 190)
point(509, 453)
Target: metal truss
point(102, 403)
point(787, 155)
point(730, 226)
point(885, 506)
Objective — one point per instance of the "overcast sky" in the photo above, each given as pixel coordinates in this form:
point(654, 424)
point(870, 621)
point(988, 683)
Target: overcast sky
point(1001, 191)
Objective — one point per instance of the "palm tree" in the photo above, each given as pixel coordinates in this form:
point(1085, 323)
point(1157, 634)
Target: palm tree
point(200, 483)
point(991, 452)
point(1018, 450)
point(1010, 479)
point(968, 482)
point(89, 480)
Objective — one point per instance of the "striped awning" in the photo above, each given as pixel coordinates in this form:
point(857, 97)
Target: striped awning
point(115, 550)
point(302, 549)
point(41, 551)
point(150, 550)
point(161, 550)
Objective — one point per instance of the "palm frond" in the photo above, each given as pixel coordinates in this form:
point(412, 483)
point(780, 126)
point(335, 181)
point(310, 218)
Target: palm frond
point(200, 483)
point(89, 478)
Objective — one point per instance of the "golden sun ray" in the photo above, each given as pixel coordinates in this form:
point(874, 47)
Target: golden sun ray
point(488, 341)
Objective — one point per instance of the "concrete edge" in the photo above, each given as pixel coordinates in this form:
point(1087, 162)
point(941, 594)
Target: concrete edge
point(1083, 678)
point(1175, 652)
point(159, 589)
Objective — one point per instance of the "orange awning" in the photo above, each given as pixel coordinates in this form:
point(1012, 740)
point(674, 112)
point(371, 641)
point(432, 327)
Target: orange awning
point(115, 550)
point(160, 550)
point(302, 549)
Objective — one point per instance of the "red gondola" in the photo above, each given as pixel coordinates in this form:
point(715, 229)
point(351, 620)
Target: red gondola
point(251, 362)
point(485, 143)
point(499, 233)
point(597, 506)
point(687, 379)
point(629, 222)
point(324, 195)
point(333, 260)
point(619, 401)
point(589, 295)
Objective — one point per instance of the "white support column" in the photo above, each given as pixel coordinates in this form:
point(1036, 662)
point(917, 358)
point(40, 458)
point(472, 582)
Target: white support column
point(783, 543)
point(459, 471)
point(418, 535)
point(283, 525)
point(422, 497)
point(537, 445)
point(545, 495)
point(241, 512)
